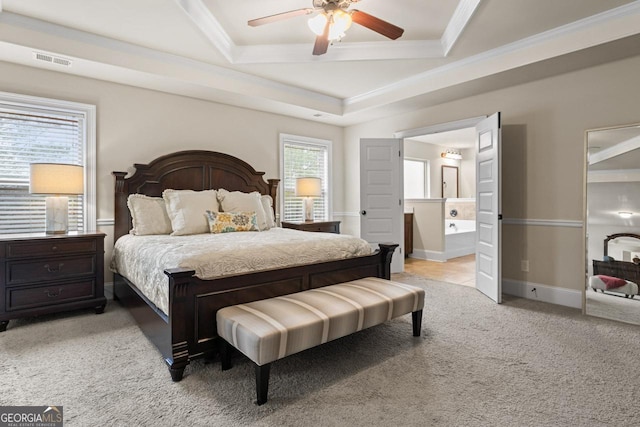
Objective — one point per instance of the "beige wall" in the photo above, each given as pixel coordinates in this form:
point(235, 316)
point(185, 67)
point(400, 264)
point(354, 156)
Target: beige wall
point(137, 125)
point(543, 146)
point(543, 125)
point(428, 224)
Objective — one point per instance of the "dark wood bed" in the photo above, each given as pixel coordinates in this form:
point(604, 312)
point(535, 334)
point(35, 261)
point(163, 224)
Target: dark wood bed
point(620, 269)
point(188, 330)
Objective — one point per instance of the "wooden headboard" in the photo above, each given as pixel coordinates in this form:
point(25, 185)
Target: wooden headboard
point(187, 170)
point(621, 269)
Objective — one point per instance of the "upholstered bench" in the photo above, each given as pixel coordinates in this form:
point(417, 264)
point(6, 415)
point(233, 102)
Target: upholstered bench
point(271, 329)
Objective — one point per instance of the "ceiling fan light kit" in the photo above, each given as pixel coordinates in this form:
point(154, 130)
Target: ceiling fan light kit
point(332, 22)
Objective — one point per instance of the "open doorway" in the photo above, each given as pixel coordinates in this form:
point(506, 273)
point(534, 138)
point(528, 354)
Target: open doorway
point(486, 202)
point(440, 205)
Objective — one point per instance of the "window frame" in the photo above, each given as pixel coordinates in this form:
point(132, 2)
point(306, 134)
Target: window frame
point(88, 112)
point(302, 141)
point(427, 175)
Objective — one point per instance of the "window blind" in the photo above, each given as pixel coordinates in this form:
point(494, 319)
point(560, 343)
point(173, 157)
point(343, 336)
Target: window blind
point(304, 160)
point(32, 135)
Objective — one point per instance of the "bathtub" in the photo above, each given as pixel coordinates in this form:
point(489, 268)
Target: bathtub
point(459, 237)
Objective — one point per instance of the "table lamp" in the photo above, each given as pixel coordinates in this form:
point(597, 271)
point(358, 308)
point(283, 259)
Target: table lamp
point(58, 180)
point(308, 188)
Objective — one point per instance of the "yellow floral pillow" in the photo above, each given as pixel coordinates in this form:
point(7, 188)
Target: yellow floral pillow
point(227, 222)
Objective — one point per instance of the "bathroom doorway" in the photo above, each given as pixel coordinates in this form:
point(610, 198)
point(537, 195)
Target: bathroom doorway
point(441, 203)
point(437, 223)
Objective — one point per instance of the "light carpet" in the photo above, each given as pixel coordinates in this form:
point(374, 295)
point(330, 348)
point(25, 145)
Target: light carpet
point(521, 363)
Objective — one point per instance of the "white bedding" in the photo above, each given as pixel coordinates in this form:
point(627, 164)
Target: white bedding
point(143, 259)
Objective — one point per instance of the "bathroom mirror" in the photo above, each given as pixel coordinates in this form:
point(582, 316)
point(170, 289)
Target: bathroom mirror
point(449, 182)
point(613, 223)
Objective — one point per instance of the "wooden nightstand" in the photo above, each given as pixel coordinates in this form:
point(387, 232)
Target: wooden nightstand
point(42, 274)
point(318, 226)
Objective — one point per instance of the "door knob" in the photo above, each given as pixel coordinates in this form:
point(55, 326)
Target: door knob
point(363, 212)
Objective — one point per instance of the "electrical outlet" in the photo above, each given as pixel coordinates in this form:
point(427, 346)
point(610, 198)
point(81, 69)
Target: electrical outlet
point(524, 265)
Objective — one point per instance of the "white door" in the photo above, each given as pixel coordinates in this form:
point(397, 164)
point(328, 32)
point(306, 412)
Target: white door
point(488, 208)
point(381, 201)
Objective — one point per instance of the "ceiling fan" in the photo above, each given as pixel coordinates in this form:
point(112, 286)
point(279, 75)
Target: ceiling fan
point(332, 20)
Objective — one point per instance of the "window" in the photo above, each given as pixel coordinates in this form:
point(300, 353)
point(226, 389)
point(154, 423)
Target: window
point(50, 131)
point(303, 157)
point(416, 179)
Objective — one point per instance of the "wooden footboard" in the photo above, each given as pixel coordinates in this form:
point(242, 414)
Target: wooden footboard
point(189, 330)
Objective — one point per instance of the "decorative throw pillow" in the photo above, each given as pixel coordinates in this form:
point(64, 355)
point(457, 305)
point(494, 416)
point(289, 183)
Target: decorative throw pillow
point(186, 210)
point(149, 215)
point(237, 201)
point(267, 205)
point(228, 222)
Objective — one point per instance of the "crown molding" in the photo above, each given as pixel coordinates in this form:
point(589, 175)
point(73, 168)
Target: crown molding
point(341, 51)
point(113, 60)
point(601, 28)
point(209, 25)
point(204, 20)
point(461, 17)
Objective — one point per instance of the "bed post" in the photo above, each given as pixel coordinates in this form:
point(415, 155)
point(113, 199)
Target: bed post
point(386, 253)
point(121, 213)
point(273, 192)
point(180, 321)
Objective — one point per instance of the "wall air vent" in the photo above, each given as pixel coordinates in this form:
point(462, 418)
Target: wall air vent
point(39, 56)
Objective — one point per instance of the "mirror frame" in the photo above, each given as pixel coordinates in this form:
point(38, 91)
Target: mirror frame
point(585, 219)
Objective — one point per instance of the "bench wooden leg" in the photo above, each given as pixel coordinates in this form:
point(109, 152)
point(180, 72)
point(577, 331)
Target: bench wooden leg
point(416, 317)
point(225, 355)
point(262, 382)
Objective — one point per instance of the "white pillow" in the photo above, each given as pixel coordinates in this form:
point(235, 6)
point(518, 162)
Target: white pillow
point(267, 205)
point(237, 201)
point(149, 215)
point(187, 210)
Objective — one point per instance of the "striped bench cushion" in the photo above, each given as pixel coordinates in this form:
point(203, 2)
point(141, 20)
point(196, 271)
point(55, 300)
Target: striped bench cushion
point(274, 328)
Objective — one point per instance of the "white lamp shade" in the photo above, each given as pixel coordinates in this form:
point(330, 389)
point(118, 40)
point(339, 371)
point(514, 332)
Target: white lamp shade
point(55, 178)
point(308, 187)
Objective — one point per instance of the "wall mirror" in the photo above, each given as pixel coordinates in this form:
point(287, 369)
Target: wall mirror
point(613, 223)
point(449, 182)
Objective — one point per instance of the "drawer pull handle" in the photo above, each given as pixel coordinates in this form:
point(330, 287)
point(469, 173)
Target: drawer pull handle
point(54, 270)
point(50, 295)
point(54, 248)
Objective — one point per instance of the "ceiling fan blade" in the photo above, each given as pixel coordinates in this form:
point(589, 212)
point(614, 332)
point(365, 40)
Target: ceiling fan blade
point(280, 16)
point(376, 24)
point(322, 42)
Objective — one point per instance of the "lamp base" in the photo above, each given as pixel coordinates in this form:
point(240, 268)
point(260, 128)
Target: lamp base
point(57, 214)
point(308, 209)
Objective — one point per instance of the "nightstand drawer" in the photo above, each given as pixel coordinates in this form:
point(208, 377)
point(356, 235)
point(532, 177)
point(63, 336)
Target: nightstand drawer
point(318, 227)
point(322, 228)
point(23, 298)
point(50, 247)
point(50, 269)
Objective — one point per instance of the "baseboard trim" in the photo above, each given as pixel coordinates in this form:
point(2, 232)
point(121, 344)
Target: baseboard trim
point(545, 293)
point(428, 255)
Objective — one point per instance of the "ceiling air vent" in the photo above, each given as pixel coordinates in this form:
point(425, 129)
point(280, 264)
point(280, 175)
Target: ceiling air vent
point(52, 59)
